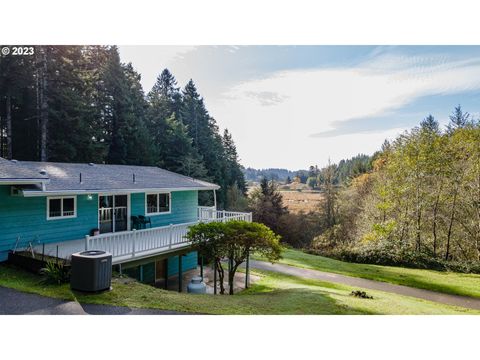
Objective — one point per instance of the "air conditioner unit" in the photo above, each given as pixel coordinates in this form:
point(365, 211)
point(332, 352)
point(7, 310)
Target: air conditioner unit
point(91, 271)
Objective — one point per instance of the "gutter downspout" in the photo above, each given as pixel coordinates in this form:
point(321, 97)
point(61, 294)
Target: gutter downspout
point(215, 198)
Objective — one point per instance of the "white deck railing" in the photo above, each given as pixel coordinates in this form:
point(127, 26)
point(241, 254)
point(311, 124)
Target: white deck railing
point(211, 214)
point(128, 245)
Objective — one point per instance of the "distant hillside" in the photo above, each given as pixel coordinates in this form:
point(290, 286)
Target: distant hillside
point(343, 171)
point(272, 173)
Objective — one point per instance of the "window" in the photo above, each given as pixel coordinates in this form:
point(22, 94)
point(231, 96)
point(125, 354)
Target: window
point(158, 203)
point(61, 208)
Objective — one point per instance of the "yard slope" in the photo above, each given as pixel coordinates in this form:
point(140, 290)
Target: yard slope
point(446, 282)
point(272, 294)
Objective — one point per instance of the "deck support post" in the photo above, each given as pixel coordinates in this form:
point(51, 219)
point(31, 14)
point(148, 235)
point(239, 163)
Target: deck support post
point(180, 273)
point(201, 267)
point(120, 269)
point(141, 273)
point(247, 271)
point(165, 284)
point(214, 277)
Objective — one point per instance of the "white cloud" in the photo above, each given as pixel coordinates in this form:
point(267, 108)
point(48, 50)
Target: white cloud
point(308, 102)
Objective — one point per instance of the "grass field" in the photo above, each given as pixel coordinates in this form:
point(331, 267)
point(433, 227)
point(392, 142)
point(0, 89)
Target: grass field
point(306, 201)
point(272, 294)
point(447, 282)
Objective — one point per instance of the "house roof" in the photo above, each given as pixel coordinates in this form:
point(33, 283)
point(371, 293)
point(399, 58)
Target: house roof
point(10, 170)
point(54, 177)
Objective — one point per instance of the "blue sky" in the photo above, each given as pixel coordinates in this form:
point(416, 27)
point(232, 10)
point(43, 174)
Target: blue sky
point(293, 106)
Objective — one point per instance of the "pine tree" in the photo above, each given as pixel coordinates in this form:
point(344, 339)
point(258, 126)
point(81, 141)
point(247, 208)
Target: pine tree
point(175, 151)
point(233, 171)
point(179, 155)
point(458, 119)
point(206, 138)
point(17, 107)
point(430, 124)
point(124, 111)
point(267, 204)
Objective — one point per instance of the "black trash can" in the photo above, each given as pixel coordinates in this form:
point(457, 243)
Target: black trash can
point(91, 271)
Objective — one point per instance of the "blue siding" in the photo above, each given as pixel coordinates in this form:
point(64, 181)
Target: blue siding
point(184, 208)
point(27, 218)
point(189, 262)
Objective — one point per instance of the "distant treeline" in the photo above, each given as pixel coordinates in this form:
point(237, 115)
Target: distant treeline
point(281, 175)
point(344, 171)
point(82, 104)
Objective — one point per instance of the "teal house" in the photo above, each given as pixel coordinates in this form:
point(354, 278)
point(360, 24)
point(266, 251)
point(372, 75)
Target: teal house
point(139, 214)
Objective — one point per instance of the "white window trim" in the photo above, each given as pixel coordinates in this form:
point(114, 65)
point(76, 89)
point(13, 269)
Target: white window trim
point(158, 199)
point(61, 217)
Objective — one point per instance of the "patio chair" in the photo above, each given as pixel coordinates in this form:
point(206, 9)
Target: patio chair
point(136, 224)
point(144, 221)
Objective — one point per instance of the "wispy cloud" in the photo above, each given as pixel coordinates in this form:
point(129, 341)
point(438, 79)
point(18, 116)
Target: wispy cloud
point(296, 106)
point(316, 103)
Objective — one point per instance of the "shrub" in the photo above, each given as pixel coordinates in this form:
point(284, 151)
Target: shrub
point(361, 294)
point(55, 273)
point(395, 254)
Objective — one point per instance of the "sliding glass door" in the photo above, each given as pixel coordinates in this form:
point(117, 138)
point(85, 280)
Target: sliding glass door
point(113, 213)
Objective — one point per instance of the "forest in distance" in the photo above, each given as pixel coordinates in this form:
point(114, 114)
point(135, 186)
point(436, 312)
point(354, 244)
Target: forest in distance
point(415, 202)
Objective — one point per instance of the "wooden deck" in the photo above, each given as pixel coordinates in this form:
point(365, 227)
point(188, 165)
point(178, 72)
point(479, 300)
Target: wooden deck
point(134, 245)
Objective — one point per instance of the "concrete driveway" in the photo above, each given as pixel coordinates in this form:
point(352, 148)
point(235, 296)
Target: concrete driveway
point(13, 302)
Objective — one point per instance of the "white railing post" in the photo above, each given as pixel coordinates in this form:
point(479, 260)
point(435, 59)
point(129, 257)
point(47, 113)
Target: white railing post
point(87, 240)
point(250, 217)
point(223, 216)
point(134, 237)
point(170, 236)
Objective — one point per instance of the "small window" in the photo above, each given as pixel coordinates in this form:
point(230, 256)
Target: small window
point(61, 208)
point(158, 203)
point(163, 202)
point(152, 203)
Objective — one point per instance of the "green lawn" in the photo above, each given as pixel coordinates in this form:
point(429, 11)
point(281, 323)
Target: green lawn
point(272, 294)
point(446, 282)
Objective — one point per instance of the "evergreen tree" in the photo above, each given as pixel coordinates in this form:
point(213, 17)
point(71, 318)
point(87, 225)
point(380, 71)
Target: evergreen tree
point(206, 138)
point(124, 112)
point(458, 119)
point(233, 171)
point(430, 124)
point(174, 148)
point(179, 155)
point(18, 121)
point(267, 205)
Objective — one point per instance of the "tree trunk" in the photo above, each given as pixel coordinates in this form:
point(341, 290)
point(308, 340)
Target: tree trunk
point(419, 214)
point(435, 217)
point(43, 102)
point(221, 276)
point(9, 127)
point(452, 217)
point(434, 226)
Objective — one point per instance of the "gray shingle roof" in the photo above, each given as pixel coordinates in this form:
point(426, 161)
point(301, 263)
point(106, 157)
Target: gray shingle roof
point(99, 177)
point(11, 170)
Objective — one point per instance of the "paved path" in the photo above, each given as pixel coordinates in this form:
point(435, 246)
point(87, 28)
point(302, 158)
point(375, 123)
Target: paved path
point(456, 300)
point(13, 302)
